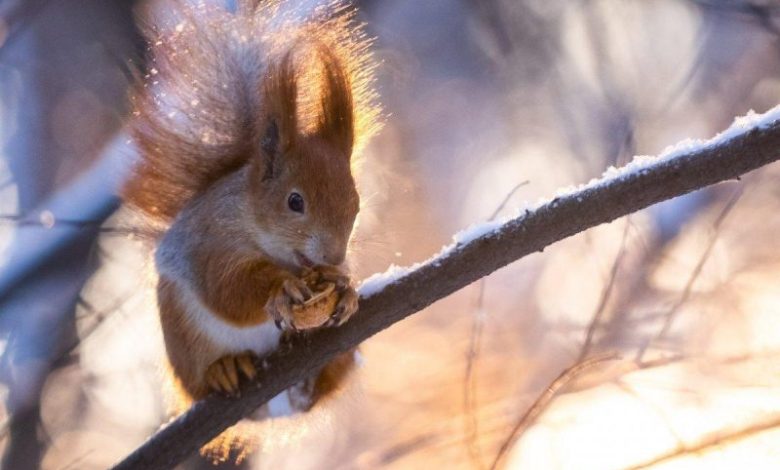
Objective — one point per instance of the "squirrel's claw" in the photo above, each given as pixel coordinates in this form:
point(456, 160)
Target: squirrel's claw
point(348, 300)
point(279, 307)
point(345, 308)
point(246, 364)
point(223, 374)
point(279, 304)
point(297, 289)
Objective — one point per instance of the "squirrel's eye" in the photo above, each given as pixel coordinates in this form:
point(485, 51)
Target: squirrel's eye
point(295, 202)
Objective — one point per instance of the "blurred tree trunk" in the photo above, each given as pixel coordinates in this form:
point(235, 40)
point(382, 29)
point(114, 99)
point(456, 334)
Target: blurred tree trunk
point(64, 88)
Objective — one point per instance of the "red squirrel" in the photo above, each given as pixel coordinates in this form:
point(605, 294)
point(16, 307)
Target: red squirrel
point(247, 125)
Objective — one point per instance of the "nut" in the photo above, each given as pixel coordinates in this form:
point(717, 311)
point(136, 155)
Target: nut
point(319, 308)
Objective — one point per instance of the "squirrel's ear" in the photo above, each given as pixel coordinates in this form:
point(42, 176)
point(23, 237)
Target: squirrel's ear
point(280, 123)
point(336, 118)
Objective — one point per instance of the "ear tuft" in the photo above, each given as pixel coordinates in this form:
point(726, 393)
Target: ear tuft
point(279, 125)
point(336, 122)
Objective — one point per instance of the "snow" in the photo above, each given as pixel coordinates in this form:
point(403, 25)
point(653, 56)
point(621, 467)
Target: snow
point(640, 164)
point(378, 281)
point(474, 231)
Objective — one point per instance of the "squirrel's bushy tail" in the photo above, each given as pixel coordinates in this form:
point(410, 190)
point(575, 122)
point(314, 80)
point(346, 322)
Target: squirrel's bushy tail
point(195, 111)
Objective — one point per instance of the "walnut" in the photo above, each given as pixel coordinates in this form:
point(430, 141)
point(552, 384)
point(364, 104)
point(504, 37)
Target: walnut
point(319, 308)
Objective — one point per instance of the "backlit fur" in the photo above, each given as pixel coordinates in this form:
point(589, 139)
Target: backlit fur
point(196, 113)
point(237, 111)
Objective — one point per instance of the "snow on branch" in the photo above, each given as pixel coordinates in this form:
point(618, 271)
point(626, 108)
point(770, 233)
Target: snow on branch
point(751, 142)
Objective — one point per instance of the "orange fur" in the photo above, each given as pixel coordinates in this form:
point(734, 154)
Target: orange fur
point(238, 113)
point(189, 352)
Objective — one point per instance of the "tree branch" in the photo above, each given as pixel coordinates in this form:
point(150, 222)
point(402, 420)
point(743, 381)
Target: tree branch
point(737, 151)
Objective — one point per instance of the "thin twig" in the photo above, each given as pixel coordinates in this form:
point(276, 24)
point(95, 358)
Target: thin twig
point(543, 401)
point(670, 317)
point(671, 314)
point(100, 317)
point(78, 461)
point(605, 295)
point(711, 442)
point(470, 381)
point(506, 199)
point(24, 221)
point(475, 345)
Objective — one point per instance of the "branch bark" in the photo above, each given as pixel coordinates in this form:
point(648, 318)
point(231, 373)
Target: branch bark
point(465, 263)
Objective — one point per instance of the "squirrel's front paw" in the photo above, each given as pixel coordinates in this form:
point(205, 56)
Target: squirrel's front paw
point(347, 304)
point(222, 374)
point(292, 291)
point(345, 307)
point(333, 274)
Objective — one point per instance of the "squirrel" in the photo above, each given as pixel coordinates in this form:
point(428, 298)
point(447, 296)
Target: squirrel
point(248, 124)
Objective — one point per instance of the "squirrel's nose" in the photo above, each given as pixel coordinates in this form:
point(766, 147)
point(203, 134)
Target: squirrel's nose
point(333, 252)
point(334, 256)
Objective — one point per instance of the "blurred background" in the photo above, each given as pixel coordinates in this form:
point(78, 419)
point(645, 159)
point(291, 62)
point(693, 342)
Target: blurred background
point(489, 104)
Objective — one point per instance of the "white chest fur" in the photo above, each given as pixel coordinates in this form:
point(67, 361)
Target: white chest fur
point(230, 339)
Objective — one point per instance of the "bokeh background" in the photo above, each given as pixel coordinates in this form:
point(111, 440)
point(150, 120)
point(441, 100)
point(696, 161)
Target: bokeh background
point(488, 104)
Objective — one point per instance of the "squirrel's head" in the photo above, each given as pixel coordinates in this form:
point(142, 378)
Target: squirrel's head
point(302, 191)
